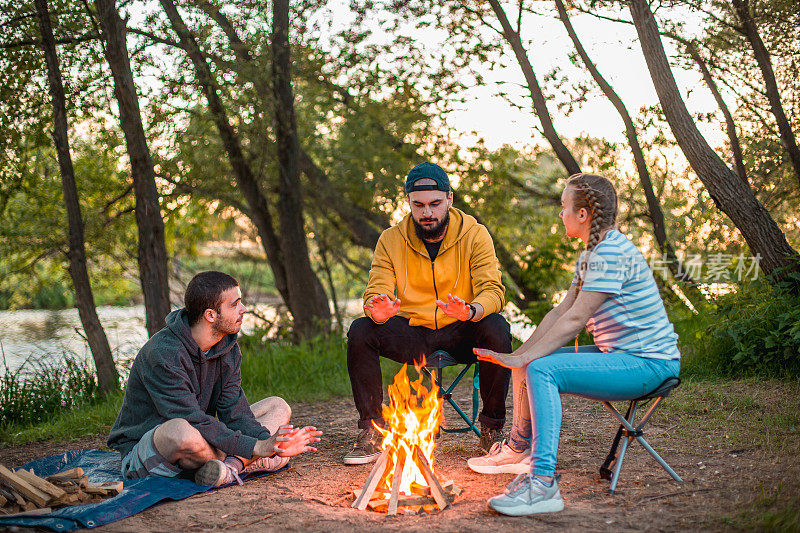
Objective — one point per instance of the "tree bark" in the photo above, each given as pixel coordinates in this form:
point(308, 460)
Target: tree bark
point(742, 9)
point(308, 301)
point(359, 222)
point(152, 252)
point(539, 102)
point(653, 206)
point(107, 376)
point(245, 178)
point(729, 193)
point(730, 125)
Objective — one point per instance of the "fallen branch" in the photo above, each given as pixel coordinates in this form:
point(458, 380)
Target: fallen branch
point(676, 493)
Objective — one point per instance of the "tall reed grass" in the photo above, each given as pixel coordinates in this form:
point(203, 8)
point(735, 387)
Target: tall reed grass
point(45, 386)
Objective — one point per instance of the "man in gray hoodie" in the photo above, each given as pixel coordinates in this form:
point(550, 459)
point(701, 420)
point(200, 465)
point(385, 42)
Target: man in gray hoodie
point(184, 409)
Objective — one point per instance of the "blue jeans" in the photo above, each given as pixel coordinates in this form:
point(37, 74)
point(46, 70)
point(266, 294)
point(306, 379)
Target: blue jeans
point(590, 373)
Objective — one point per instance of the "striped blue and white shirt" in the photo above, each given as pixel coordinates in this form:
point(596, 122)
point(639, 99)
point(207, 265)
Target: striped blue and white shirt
point(632, 319)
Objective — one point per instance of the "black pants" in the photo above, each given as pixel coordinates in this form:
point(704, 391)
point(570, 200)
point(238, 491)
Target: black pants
point(398, 341)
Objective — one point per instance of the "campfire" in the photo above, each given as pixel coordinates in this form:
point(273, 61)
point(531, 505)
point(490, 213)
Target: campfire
point(404, 475)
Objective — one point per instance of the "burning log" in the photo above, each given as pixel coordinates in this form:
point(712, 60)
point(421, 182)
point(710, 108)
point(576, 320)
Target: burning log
point(404, 472)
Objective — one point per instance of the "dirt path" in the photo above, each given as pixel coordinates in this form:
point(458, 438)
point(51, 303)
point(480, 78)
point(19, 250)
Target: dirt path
point(735, 471)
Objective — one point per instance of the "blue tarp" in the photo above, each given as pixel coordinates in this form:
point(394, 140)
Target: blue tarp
point(137, 495)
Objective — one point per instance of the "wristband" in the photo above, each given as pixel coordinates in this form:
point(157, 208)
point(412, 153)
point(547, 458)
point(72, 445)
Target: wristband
point(473, 311)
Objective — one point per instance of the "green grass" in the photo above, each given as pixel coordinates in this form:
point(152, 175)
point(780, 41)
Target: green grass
point(43, 386)
point(309, 371)
point(89, 419)
point(773, 510)
point(312, 371)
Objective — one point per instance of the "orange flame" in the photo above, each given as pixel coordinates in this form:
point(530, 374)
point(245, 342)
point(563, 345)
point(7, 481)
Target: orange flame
point(412, 417)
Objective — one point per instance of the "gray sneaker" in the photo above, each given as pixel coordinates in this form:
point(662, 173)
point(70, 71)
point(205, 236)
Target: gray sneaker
point(366, 449)
point(268, 464)
point(527, 494)
point(215, 473)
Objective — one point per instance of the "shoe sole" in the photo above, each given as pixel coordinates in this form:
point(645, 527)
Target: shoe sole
point(515, 468)
point(274, 468)
point(205, 478)
point(361, 460)
point(547, 506)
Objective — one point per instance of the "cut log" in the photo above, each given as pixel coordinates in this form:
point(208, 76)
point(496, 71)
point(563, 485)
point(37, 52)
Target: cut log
point(3, 500)
point(32, 512)
point(408, 501)
point(73, 473)
point(68, 499)
point(12, 495)
point(42, 485)
point(11, 508)
point(430, 477)
point(424, 490)
point(397, 476)
point(372, 482)
point(104, 489)
point(6, 493)
point(23, 487)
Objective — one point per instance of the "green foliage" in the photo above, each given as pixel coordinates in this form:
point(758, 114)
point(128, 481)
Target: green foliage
point(753, 330)
point(313, 370)
point(92, 418)
point(43, 387)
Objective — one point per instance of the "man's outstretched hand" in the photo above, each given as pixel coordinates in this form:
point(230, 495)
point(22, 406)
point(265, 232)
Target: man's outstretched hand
point(294, 441)
point(288, 441)
point(382, 308)
point(455, 307)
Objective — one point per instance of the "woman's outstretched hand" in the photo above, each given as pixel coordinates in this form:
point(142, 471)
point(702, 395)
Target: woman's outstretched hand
point(508, 360)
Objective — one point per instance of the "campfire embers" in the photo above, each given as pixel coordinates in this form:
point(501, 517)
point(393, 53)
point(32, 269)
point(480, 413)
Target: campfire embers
point(403, 476)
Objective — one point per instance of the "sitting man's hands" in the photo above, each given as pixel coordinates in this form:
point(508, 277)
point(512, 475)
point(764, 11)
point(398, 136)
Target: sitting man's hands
point(456, 308)
point(382, 308)
point(288, 441)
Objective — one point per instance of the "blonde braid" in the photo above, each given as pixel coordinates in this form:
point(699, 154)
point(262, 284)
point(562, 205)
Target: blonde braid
point(597, 195)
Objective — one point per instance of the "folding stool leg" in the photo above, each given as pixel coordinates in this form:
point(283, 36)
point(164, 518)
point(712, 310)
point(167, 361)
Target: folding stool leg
point(605, 473)
point(649, 448)
point(628, 425)
point(436, 376)
point(658, 458)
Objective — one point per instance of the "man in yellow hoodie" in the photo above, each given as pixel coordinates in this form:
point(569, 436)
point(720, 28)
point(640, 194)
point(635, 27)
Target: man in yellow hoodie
point(434, 284)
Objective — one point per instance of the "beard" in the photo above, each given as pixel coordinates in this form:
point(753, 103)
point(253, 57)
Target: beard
point(226, 327)
point(436, 232)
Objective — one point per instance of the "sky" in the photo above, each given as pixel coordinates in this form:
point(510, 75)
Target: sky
point(612, 46)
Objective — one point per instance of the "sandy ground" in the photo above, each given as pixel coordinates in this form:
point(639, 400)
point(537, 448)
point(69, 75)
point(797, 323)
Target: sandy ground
point(720, 481)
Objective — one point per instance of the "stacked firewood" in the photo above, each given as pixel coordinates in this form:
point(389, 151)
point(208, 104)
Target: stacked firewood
point(421, 501)
point(23, 492)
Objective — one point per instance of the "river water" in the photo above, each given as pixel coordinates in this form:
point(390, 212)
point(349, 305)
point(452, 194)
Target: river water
point(39, 334)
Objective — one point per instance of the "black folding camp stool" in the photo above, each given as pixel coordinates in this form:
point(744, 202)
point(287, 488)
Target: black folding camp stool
point(441, 359)
point(630, 432)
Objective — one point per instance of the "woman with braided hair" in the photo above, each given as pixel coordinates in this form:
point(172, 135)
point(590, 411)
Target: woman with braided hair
point(614, 295)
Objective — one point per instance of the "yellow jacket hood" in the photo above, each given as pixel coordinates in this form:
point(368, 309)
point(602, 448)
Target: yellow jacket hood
point(466, 266)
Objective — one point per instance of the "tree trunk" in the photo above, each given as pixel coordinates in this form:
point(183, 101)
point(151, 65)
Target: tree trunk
point(742, 9)
point(539, 102)
point(730, 125)
point(727, 190)
point(259, 209)
point(308, 302)
point(107, 376)
point(653, 205)
point(152, 252)
point(359, 222)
